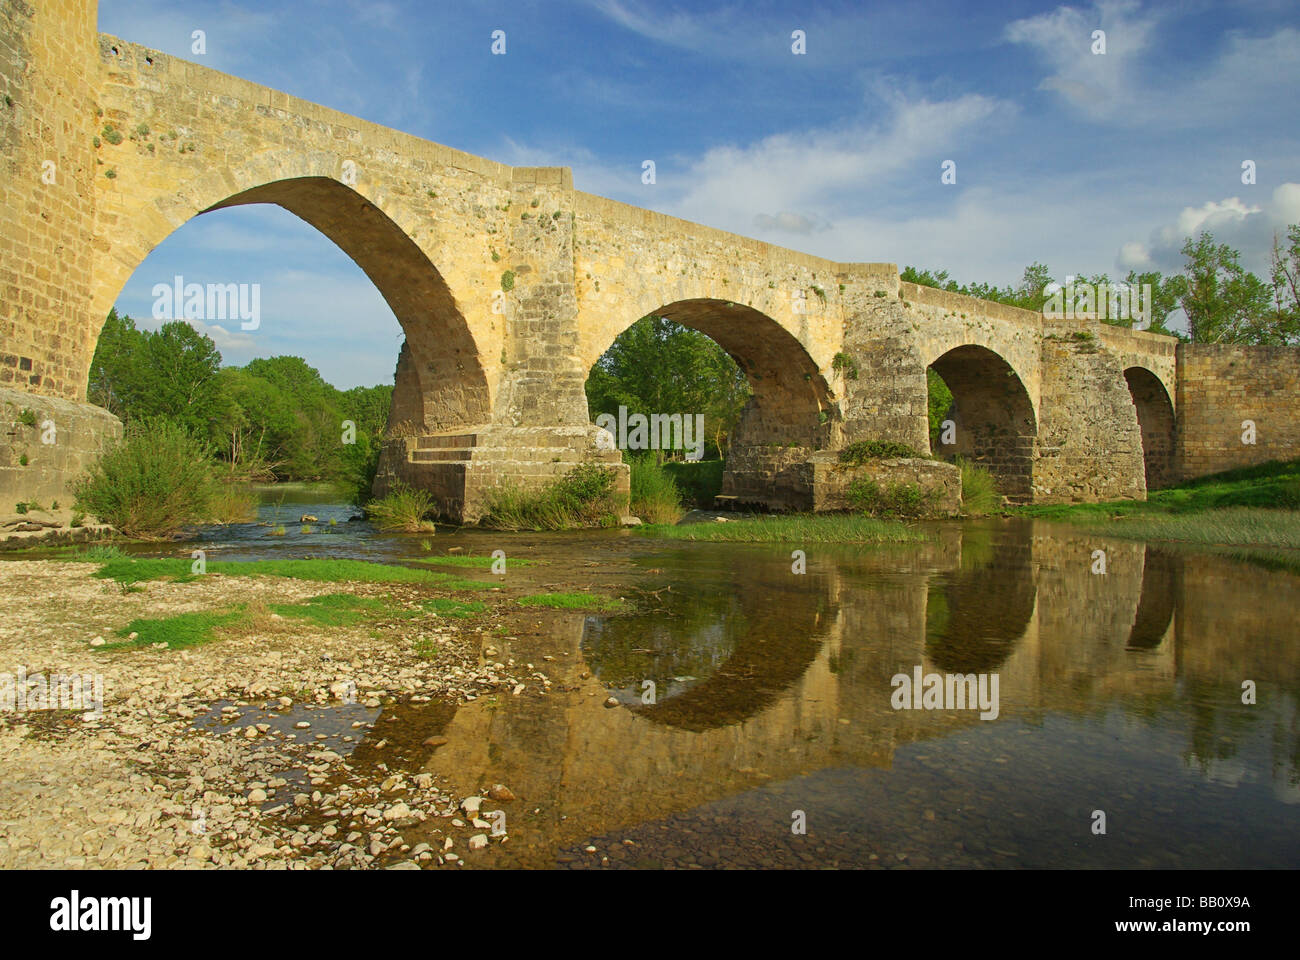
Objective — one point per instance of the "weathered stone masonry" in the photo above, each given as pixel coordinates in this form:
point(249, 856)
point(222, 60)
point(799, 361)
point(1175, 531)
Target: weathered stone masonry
point(509, 284)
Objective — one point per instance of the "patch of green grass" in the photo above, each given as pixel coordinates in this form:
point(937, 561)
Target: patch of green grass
point(1249, 527)
point(817, 528)
point(449, 607)
point(126, 570)
point(179, 631)
point(333, 609)
point(324, 570)
point(571, 601)
point(1269, 486)
point(1253, 508)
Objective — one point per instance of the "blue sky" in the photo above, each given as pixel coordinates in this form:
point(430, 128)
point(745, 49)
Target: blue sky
point(1087, 163)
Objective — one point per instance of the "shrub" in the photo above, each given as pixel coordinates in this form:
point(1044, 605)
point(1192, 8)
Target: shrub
point(581, 498)
point(402, 508)
point(856, 454)
point(978, 494)
point(155, 481)
point(699, 481)
point(655, 497)
point(905, 500)
point(233, 503)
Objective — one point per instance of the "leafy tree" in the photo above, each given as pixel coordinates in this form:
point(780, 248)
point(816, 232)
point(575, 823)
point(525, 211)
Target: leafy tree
point(1285, 276)
point(112, 372)
point(1224, 302)
point(660, 366)
point(170, 372)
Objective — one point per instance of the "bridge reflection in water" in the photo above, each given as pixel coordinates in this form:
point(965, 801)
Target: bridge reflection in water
point(1118, 691)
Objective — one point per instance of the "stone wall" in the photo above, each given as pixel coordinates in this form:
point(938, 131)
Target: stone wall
point(828, 480)
point(1089, 442)
point(45, 444)
point(1219, 387)
point(48, 80)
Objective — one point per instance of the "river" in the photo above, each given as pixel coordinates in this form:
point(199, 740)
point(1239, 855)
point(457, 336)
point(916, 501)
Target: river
point(771, 733)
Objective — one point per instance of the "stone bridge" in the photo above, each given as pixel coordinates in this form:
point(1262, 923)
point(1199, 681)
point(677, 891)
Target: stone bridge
point(509, 284)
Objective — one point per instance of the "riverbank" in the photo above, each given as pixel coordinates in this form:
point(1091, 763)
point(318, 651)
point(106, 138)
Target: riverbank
point(284, 723)
point(1253, 509)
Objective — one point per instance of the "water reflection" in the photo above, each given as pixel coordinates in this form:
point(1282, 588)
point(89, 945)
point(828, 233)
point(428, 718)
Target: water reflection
point(1121, 689)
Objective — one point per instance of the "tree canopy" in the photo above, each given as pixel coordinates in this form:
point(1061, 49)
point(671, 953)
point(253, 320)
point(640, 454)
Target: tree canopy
point(275, 417)
point(1223, 302)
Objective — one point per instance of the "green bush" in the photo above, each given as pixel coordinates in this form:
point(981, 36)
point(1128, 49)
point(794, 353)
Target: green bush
point(906, 500)
point(402, 508)
point(581, 498)
point(233, 502)
point(154, 482)
point(698, 480)
point(856, 454)
point(979, 496)
point(655, 497)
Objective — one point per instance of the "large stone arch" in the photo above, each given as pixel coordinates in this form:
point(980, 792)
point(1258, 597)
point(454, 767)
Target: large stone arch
point(441, 384)
point(791, 414)
point(1155, 416)
point(995, 422)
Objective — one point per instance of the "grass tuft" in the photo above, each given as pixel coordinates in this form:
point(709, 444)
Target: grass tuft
point(571, 601)
point(979, 496)
point(403, 509)
point(655, 497)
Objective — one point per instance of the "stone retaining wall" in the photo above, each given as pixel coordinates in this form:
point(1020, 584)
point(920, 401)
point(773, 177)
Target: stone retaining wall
point(46, 443)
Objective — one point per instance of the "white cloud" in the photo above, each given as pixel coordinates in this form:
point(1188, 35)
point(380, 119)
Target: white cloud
point(1132, 84)
point(223, 338)
point(826, 173)
point(1096, 83)
point(1249, 228)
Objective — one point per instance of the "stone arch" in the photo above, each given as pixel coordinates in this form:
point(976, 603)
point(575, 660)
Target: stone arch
point(791, 414)
point(994, 417)
point(1155, 415)
point(441, 384)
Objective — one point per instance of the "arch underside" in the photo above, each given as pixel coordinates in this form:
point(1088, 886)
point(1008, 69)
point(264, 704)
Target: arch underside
point(1155, 414)
point(440, 383)
point(791, 414)
point(994, 417)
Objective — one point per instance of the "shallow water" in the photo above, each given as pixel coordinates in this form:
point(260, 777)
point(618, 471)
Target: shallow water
point(1119, 694)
